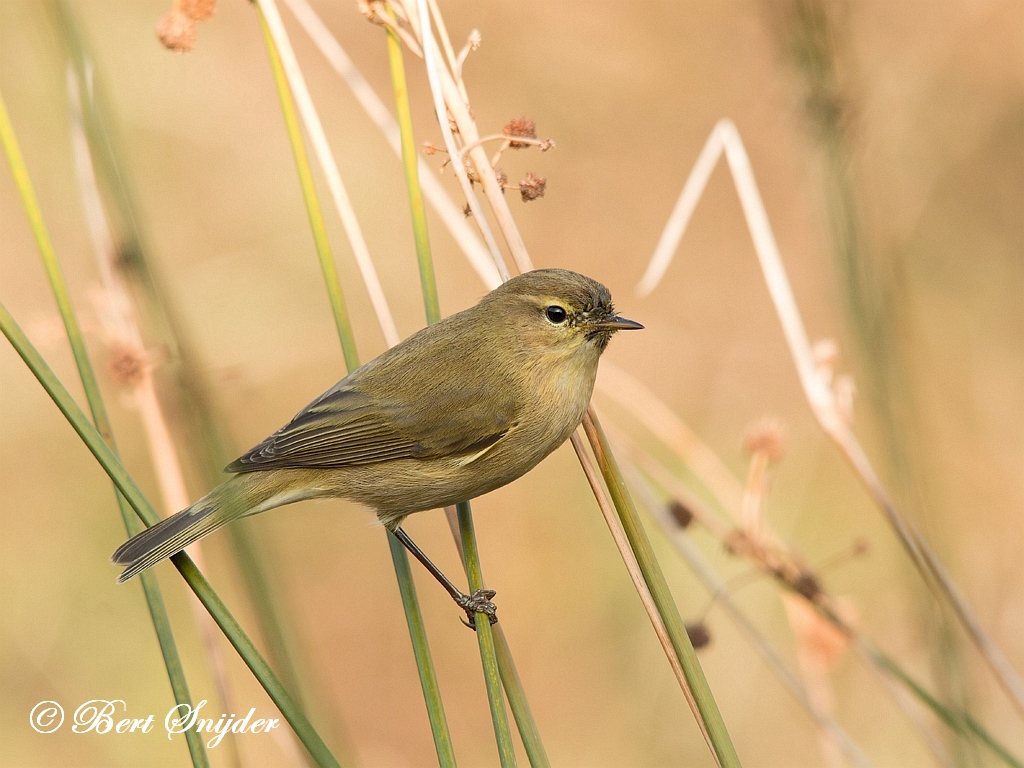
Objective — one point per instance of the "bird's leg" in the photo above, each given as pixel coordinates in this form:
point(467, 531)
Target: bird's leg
point(478, 602)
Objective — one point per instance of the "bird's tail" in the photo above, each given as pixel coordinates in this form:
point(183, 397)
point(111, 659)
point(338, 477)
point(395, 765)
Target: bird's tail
point(242, 495)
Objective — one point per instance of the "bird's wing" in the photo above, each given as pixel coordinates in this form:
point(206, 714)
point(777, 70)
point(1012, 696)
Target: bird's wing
point(346, 426)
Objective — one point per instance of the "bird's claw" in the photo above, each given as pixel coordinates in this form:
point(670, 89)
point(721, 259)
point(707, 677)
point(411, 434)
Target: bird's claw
point(478, 602)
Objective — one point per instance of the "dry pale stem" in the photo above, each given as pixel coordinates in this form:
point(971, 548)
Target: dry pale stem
point(457, 105)
point(635, 575)
point(324, 155)
point(823, 395)
point(131, 369)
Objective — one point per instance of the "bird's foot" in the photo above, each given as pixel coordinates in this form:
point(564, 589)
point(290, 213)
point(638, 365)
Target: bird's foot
point(478, 602)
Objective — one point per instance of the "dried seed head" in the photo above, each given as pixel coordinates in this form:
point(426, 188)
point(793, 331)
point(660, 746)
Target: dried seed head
point(807, 584)
point(699, 634)
point(475, 40)
point(367, 8)
point(429, 148)
point(520, 126)
point(532, 187)
point(735, 541)
point(467, 211)
point(501, 176)
point(680, 513)
point(768, 437)
point(199, 10)
point(177, 32)
point(547, 144)
point(127, 364)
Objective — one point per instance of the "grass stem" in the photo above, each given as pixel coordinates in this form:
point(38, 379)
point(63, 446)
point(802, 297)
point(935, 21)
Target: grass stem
point(154, 599)
point(493, 675)
point(196, 581)
point(316, 218)
point(414, 619)
point(724, 750)
point(485, 637)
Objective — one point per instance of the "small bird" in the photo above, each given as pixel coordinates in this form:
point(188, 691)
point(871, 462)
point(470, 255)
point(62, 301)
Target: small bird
point(458, 409)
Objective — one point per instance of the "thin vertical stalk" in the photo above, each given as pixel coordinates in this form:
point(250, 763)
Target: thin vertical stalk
point(438, 78)
point(447, 95)
point(414, 618)
point(154, 599)
point(518, 703)
point(196, 581)
point(409, 160)
point(322, 149)
point(316, 217)
point(198, 408)
point(498, 664)
point(485, 637)
point(725, 752)
point(450, 215)
point(470, 549)
point(424, 663)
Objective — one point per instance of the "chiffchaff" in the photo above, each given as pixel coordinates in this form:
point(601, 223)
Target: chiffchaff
point(456, 410)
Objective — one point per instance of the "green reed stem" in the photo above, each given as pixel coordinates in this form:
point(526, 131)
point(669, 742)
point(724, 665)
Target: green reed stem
point(316, 217)
point(655, 579)
point(485, 637)
point(960, 722)
point(424, 663)
point(496, 656)
point(518, 702)
point(199, 585)
point(154, 598)
point(197, 406)
point(412, 178)
point(400, 558)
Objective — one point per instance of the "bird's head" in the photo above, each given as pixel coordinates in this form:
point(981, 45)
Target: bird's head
point(559, 310)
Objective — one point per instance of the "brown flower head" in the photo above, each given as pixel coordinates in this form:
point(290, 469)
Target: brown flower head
point(502, 177)
point(177, 32)
point(807, 585)
point(127, 364)
point(767, 436)
point(523, 127)
point(532, 187)
point(699, 634)
point(198, 10)
point(680, 513)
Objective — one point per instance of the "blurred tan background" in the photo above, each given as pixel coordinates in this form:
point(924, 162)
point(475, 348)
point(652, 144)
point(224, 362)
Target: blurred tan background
point(629, 91)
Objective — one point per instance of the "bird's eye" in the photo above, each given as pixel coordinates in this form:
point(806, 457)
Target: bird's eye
point(555, 314)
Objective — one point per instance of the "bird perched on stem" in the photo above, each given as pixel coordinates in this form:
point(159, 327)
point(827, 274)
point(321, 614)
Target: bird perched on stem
point(458, 409)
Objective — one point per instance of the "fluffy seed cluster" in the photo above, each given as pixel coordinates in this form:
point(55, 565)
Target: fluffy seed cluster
point(532, 187)
point(177, 29)
point(768, 436)
point(523, 127)
point(127, 365)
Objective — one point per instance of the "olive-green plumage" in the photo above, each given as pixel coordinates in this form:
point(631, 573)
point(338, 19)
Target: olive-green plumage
point(456, 410)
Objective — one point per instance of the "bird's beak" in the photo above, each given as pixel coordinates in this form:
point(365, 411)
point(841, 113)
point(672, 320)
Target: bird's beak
point(616, 323)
